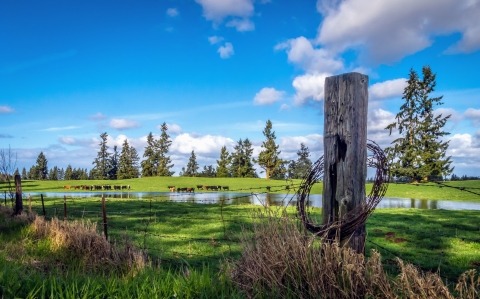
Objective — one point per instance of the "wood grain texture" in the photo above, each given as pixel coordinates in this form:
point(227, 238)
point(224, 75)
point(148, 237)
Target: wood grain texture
point(345, 149)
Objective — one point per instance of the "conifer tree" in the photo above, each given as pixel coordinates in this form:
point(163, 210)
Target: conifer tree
point(303, 163)
point(419, 152)
point(53, 175)
point(113, 164)
point(41, 167)
point(223, 163)
point(101, 162)
point(241, 165)
point(192, 166)
point(32, 173)
point(24, 174)
point(128, 162)
point(269, 158)
point(68, 173)
point(16, 172)
point(164, 161)
point(149, 165)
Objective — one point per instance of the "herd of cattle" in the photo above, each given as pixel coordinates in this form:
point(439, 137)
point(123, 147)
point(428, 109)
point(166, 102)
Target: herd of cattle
point(96, 187)
point(199, 187)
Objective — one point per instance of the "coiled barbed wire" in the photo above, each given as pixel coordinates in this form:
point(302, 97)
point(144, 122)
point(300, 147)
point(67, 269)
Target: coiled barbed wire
point(355, 218)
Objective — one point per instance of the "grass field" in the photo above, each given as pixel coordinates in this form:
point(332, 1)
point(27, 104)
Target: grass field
point(201, 236)
point(248, 185)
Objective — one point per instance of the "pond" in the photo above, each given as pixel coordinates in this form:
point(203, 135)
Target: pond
point(263, 199)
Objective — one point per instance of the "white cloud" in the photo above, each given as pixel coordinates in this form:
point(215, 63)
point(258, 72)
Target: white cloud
point(473, 115)
point(309, 87)
point(388, 89)
point(226, 51)
point(6, 110)
point(302, 53)
point(123, 124)
point(218, 10)
point(98, 116)
point(386, 31)
point(377, 121)
point(60, 128)
point(172, 12)
point(241, 24)
point(455, 116)
point(267, 96)
point(285, 107)
point(289, 145)
point(464, 150)
point(172, 128)
point(215, 39)
point(207, 145)
point(67, 140)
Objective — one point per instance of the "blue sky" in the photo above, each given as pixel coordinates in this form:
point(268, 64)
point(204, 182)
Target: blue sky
point(217, 70)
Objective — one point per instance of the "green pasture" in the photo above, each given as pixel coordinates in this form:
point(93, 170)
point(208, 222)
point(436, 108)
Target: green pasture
point(247, 185)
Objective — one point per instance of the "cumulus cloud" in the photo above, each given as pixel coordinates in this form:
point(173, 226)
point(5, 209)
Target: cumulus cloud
point(473, 115)
point(309, 87)
point(52, 129)
point(267, 96)
point(98, 116)
point(289, 145)
point(204, 145)
point(82, 142)
point(226, 51)
point(455, 116)
point(172, 128)
point(219, 10)
point(241, 24)
point(377, 121)
point(123, 124)
point(172, 12)
point(387, 89)
point(6, 110)
point(215, 39)
point(285, 107)
point(407, 26)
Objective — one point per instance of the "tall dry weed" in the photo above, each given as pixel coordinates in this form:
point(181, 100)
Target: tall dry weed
point(81, 240)
point(280, 260)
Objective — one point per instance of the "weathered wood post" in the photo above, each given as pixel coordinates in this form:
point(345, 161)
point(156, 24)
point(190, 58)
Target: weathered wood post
point(345, 149)
point(18, 195)
point(104, 211)
point(43, 205)
point(64, 208)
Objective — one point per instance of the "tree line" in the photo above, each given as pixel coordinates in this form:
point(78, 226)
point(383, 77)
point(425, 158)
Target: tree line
point(125, 163)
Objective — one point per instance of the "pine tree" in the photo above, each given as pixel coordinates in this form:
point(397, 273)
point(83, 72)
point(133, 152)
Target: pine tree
point(303, 163)
point(24, 174)
point(164, 161)
point(192, 166)
point(16, 173)
point(32, 173)
point(223, 163)
point(41, 167)
point(208, 172)
point(292, 169)
point(419, 152)
point(53, 175)
point(280, 172)
point(149, 165)
point(268, 158)
point(61, 174)
point(128, 162)
point(68, 173)
point(101, 162)
point(241, 165)
point(113, 164)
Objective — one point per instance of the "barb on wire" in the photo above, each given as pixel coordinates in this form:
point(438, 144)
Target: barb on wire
point(357, 217)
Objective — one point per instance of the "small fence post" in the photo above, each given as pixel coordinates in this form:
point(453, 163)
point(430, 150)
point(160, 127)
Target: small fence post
point(18, 195)
point(5, 198)
point(104, 210)
point(29, 203)
point(43, 205)
point(64, 207)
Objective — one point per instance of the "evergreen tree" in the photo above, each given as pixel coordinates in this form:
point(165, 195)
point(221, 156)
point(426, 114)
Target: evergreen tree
point(241, 165)
point(164, 161)
point(208, 172)
point(223, 163)
point(419, 152)
point(61, 174)
point(113, 164)
point(268, 158)
point(303, 163)
point(292, 169)
point(84, 175)
point(101, 162)
point(53, 175)
point(16, 172)
point(192, 166)
point(24, 174)
point(32, 173)
point(128, 162)
point(68, 173)
point(41, 167)
point(280, 172)
point(149, 165)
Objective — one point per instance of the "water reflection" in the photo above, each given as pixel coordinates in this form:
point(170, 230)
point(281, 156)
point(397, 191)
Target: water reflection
point(264, 199)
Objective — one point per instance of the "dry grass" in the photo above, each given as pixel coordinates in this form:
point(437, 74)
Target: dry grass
point(280, 260)
point(80, 239)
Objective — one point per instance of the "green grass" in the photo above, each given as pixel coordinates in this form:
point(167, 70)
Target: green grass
point(248, 185)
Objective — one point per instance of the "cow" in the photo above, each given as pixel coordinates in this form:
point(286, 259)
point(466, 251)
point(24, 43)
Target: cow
point(199, 186)
point(268, 188)
point(214, 188)
point(181, 189)
point(66, 187)
point(225, 188)
point(191, 190)
point(172, 189)
point(116, 187)
point(124, 187)
point(77, 187)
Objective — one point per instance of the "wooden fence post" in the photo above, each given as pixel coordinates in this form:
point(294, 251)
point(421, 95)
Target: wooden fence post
point(64, 207)
point(29, 203)
point(43, 205)
point(18, 195)
point(104, 210)
point(345, 149)
point(5, 198)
